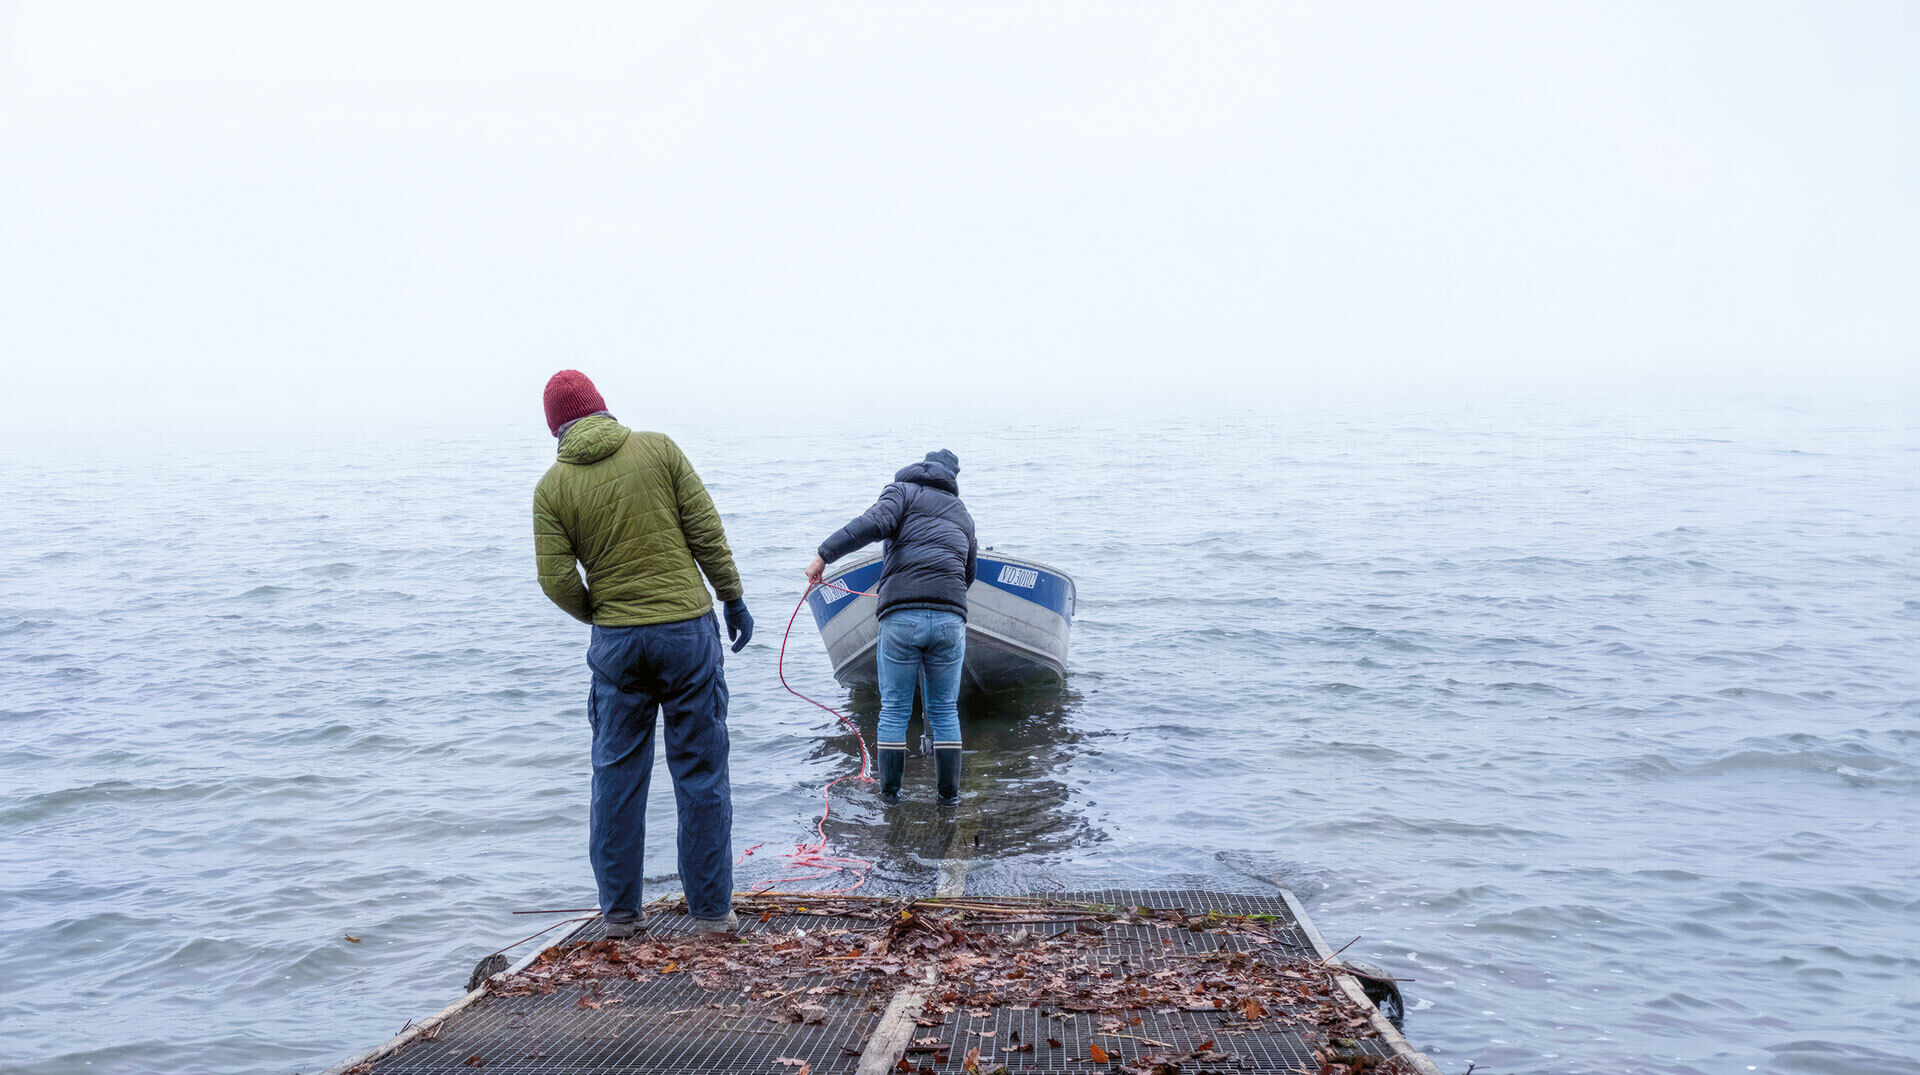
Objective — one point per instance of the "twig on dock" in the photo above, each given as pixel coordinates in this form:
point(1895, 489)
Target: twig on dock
point(1135, 1037)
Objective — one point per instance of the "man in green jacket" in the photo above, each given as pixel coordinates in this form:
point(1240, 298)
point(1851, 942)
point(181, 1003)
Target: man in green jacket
point(629, 508)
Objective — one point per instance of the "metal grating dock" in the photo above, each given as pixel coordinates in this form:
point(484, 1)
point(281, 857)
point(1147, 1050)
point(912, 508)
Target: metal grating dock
point(671, 1025)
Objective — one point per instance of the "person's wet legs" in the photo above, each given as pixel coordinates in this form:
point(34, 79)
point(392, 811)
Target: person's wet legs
point(944, 650)
point(898, 654)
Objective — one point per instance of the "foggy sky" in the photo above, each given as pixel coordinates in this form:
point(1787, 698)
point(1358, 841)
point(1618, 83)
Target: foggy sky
point(347, 211)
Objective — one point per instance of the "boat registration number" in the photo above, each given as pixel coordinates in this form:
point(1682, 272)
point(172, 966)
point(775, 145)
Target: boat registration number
point(1024, 577)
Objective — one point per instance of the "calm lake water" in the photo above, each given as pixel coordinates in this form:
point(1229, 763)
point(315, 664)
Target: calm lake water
point(1606, 731)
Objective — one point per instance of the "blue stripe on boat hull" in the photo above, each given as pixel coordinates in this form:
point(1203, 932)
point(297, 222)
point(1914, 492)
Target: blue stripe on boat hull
point(825, 604)
point(1038, 585)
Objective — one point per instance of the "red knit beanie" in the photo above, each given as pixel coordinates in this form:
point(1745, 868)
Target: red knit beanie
point(570, 395)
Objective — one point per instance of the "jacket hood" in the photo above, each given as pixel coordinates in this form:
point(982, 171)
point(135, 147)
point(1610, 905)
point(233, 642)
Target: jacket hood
point(929, 474)
point(592, 439)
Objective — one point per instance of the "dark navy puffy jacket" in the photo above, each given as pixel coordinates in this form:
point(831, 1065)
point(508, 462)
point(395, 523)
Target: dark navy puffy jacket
point(929, 543)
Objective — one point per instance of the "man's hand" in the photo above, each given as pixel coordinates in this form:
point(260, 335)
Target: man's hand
point(739, 624)
point(815, 570)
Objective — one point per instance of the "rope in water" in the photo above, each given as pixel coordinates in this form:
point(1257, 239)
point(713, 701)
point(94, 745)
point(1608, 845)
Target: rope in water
point(814, 856)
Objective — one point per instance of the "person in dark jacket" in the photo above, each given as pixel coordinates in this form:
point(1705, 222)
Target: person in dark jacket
point(930, 555)
point(628, 508)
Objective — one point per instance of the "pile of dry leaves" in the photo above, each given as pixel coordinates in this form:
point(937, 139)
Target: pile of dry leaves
point(979, 955)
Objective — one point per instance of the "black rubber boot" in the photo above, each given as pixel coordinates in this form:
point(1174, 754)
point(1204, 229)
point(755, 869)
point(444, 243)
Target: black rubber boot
point(893, 767)
point(946, 761)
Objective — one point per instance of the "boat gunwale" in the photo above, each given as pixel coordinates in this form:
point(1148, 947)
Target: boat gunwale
point(1073, 587)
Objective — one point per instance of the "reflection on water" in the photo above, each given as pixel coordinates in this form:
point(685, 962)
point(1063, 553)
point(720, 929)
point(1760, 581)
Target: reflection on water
point(1015, 800)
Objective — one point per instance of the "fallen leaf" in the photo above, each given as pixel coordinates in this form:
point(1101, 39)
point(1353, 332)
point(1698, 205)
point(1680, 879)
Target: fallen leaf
point(1253, 1009)
point(1096, 1054)
point(1054, 1042)
point(351, 937)
point(793, 1062)
point(476, 1061)
point(586, 1002)
point(670, 968)
point(972, 1062)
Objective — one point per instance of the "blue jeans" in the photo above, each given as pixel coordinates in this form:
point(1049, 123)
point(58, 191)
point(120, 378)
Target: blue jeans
point(673, 669)
point(920, 645)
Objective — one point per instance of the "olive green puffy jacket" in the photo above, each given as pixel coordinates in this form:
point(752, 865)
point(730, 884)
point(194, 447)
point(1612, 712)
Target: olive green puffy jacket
point(629, 507)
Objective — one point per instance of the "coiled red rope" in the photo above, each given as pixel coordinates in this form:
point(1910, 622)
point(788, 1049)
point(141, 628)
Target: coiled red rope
point(814, 856)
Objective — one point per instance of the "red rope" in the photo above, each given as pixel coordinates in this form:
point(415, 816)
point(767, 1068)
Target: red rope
point(814, 856)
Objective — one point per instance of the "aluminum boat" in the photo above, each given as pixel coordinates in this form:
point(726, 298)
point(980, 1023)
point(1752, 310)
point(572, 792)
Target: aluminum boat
point(1019, 615)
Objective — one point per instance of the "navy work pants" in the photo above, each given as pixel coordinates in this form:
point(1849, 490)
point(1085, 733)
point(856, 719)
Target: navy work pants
point(675, 669)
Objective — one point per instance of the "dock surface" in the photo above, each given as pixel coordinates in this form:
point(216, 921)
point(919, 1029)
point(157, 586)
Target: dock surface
point(545, 1018)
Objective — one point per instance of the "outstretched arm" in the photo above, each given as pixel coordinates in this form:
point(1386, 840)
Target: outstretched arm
point(874, 524)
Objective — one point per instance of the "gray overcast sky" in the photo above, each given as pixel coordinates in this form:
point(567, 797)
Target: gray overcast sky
point(323, 212)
